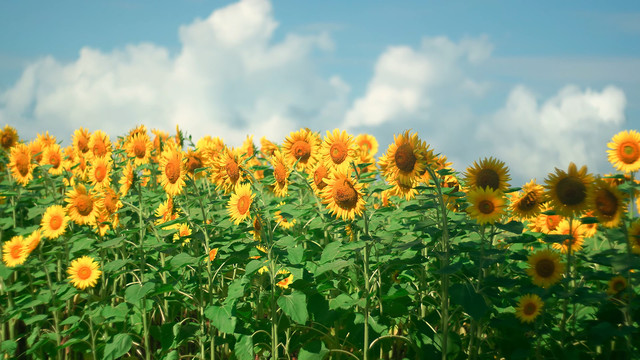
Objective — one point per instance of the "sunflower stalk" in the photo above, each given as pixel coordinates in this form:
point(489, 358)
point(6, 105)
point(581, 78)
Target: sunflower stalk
point(143, 312)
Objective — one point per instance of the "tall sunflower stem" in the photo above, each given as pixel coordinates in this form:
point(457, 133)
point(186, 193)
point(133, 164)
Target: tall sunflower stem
point(367, 290)
point(565, 304)
point(143, 265)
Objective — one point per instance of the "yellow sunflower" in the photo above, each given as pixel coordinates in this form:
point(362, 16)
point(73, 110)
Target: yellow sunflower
point(572, 229)
point(529, 307)
point(15, 251)
point(139, 147)
point(81, 205)
point(166, 211)
point(257, 228)
point(338, 150)
point(624, 151)
point(545, 268)
point(8, 137)
point(569, 193)
point(488, 172)
point(267, 147)
point(184, 232)
point(303, 147)
point(616, 285)
point(402, 190)
point(405, 159)
point(100, 172)
point(240, 203)
point(209, 147)
point(54, 222)
point(318, 177)
point(84, 272)
point(280, 173)
point(172, 170)
point(195, 160)
point(343, 195)
point(366, 144)
point(634, 236)
point(527, 203)
point(20, 164)
point(284, 283)
point(282, 221)
point(99, 144)
point(213, 253)
point(487, 205)
point(545, 223)
point(37, 150)
point(46, 139)
point(52, 155)
point(81, 139)
point(226, 171)
point(607, 203)
point(109, 203)
point(33, 240)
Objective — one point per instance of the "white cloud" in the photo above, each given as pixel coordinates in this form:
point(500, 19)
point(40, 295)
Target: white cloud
point(229, 79)
point(572, 126)
point(406, 82)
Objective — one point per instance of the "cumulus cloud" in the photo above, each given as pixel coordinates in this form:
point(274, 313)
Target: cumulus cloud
point(574, 125)
point(229, 79)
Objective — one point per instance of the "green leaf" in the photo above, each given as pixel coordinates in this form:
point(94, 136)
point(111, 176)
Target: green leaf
point(253, 266)
point(296, 254)
point(8, 347)
point(244, 347)
point(70, 320)
point(119, 346)
point(472, 302)
point(313, 351)
point(136, 292)
point(35, 319)
point(295, 306)
point(182, 259)
point(236, 289)
point(512, 226)
point(334, 266)
point(330, 252)
point(115, 265)
point(115, 314)
point(222, 317)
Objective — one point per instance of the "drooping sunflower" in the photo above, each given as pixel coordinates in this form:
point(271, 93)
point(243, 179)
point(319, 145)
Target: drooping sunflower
point(338, 150)
point(367, 144)
point(240, 203)
point(195, 161)
point(126, 179)
point(633, 236)
point(20, 164)
point(172, 170)
point(281, 173)
point(15, 251)
point(343, 195)
point(33, 240)
point(81, 205)
point(487, 205)
point(109, 203)
point(227, 170)
point(545, 222)
point(607, 203)
point(616, 285)
point(100, 172)
point(166, 211)
point(529, 307)
point(489, 172)
point(405, 159)
point(527, 203)
point(267, 147)
point(184, 232)
point(574, 231)
point(99, 144)
point(318, 177)
point(84, 272)
point(209, 148)
point(139, 148)
point(303, 147)
point(81, 139)
point(53, 156)
point(569, 192)
point(54, 222)
point(8, 137)
point(624, 151)
point(545, 268)
point(402, 190)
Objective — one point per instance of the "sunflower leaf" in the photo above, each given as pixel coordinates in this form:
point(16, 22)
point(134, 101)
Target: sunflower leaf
point(295, 306)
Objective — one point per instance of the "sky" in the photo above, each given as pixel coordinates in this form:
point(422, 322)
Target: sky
point(535, 84)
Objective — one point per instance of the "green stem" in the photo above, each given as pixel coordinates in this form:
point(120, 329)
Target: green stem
point(367, 300)
point(143, 265)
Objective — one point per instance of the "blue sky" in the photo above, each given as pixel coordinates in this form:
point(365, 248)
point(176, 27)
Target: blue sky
point(536, 84)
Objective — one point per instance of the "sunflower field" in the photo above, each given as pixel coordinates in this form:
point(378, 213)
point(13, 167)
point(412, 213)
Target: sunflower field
point(160, 246)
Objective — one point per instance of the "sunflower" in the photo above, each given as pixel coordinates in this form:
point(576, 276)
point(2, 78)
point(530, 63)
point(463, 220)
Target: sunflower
point(81, 205)
point(8, 137)
point(54, 222)
point(284, 283)
point(184, 232)
point(367, 144)
point(634, 236)
point(46, 139)
point(607, 203)
point(616, 285)
point(15, 251)
point(81, 171)
point(126, 179)
point(527, 203)
point(574, 231)
point(109, 203)
point(399, 189)
point(545, 268)
point(302, 147)
point(240, 203)
point(139, 147)
point(166, 211)
point(52, 155)
point(33, 240)
point(99, 144)
point(280, 173)
point(160, 140)
point(487, 205)
point(405, 159)
point(318, 177)
point(172, 170)
point(209, 147)
point(84, 272)
point(529, 307)
point(213, 253)
point(545, 222)
point(282, 221)
point(226, 172)
point(194, 161)
point(569, 193)
point(343, 195)
point(257, 228)
point(81, 139)
point(100, 171)
point(267, 147)
point(20, 164)
point(624, 153)
point(338, 150)
point(488, 172)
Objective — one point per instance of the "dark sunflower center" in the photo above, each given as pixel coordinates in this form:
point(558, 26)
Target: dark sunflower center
point(606, 203)
point(405, 158)
point(232, 170)
point(338, 152)
point(257, 226)
point(345, 195)
point(83, 144)
point(99, 149)
point(243, 204)
point(84, 272)
point(629, 152)
point(280, 173)
point(571, 191)
point(7, 140)
point(301, 150)
point(193, 162)
point(172, 171)
point(528, 202)
point(55, 222)
point(22, 163)
point(486, 207)
point(110, 203)
point(488, 177)
point(545, 268)
point(619, 285)
point(318, 177)
point(84, 204)
point(139, 149)
point(529, 308)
